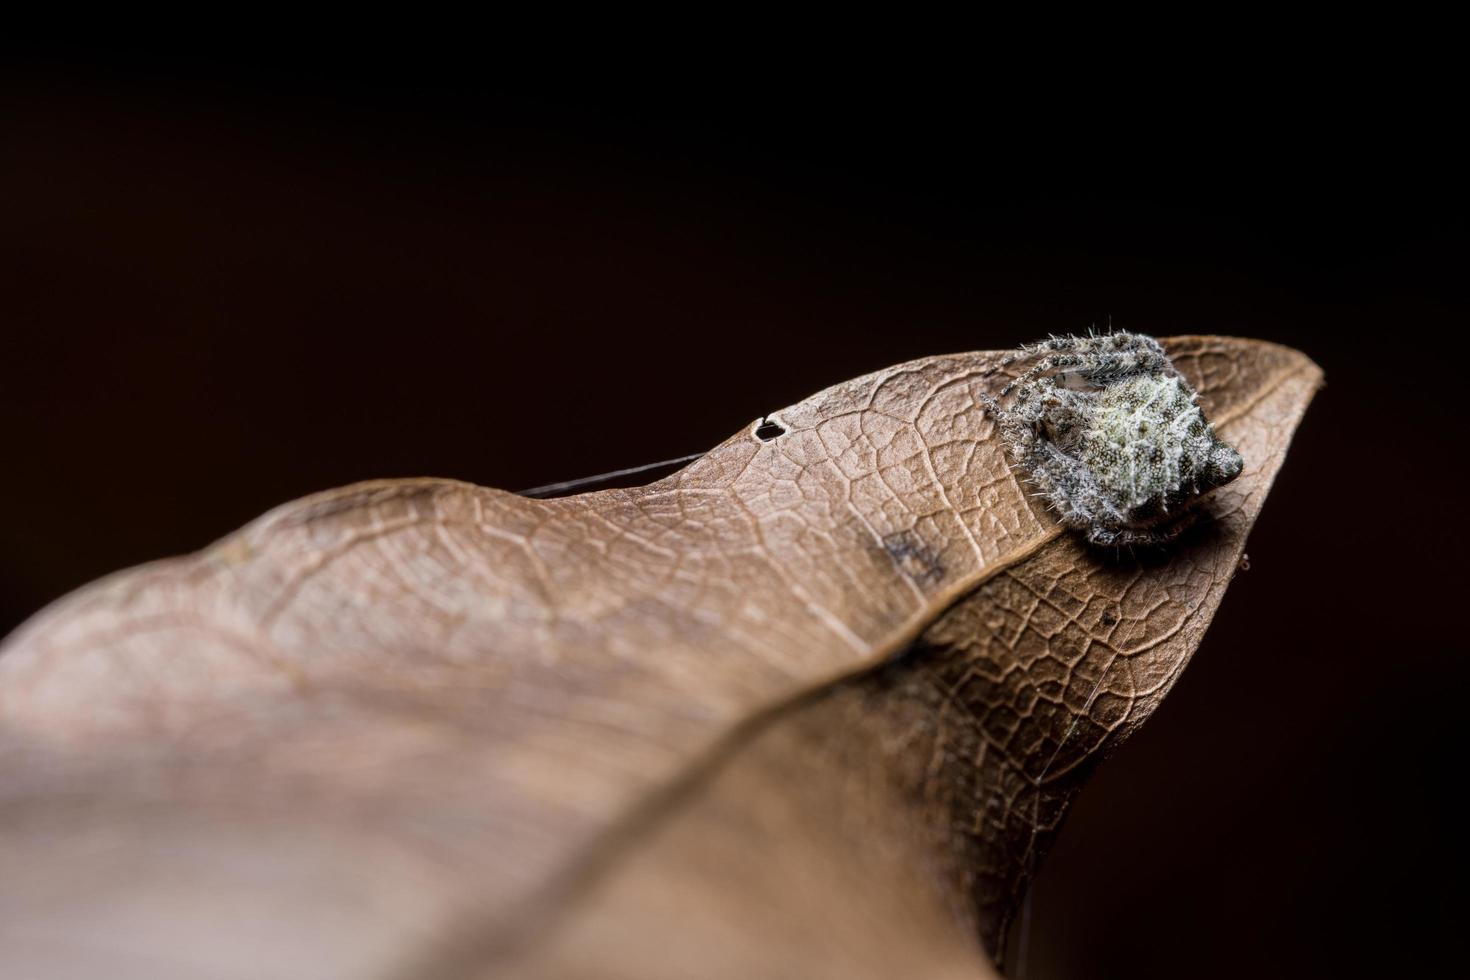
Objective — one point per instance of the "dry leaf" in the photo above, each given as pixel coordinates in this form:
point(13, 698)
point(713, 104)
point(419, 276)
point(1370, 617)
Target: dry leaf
point(810, 707)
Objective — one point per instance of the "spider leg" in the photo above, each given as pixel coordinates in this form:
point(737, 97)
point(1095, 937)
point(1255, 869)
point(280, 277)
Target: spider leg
point(1053, 344)
point(1043, 366)
point(1134, 353)
point(1148, 536)
point(1113, 366)
point(1027, 351)
point(1099, 359)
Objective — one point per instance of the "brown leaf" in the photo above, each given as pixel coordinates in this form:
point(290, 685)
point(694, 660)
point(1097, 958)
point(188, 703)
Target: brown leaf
point(811, 706)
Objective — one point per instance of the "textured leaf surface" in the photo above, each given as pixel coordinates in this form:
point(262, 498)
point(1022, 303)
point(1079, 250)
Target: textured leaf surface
point(809, 707)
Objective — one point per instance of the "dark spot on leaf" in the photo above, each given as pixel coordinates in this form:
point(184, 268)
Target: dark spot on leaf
point(918, 561)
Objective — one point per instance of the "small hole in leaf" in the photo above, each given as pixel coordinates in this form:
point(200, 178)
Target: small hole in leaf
point(769, 430)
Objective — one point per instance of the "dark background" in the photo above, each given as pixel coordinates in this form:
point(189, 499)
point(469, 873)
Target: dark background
point(226, 284)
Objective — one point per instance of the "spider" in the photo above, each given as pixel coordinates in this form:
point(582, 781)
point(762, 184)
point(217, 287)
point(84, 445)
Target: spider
point(1110, 436)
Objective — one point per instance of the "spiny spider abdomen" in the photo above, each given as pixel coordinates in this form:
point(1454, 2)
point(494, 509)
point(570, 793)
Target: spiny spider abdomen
point(1110, 435)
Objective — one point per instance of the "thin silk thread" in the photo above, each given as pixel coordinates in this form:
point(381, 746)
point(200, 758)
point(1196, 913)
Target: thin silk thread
point(551, 489)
